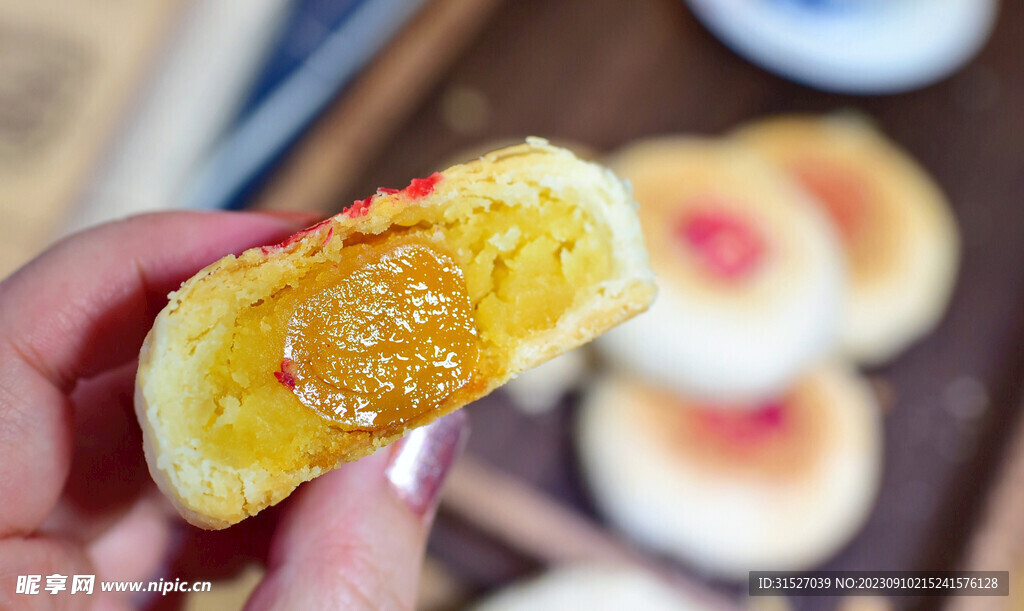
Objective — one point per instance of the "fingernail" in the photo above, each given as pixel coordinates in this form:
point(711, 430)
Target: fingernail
point(420, 461)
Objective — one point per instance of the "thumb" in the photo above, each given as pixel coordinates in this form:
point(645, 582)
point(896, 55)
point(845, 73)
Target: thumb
point(354, 538)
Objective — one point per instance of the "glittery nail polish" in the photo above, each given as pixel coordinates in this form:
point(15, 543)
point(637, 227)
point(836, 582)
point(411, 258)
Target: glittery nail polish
point(420, 462)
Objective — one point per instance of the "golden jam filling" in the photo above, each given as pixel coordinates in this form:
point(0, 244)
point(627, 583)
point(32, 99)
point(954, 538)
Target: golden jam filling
point(381, 337)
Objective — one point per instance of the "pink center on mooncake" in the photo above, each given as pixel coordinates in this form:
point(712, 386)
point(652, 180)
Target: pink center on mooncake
point(727, 246)
point(744, 426)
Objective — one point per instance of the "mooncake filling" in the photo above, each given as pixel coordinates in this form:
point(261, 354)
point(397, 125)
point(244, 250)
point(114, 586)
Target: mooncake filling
point(378, 338)
point(377, 332)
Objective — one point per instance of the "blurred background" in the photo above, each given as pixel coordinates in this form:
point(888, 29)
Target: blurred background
point(118, 107)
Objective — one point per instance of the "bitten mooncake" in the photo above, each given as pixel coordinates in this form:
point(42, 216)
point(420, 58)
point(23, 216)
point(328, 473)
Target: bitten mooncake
point(268, 369)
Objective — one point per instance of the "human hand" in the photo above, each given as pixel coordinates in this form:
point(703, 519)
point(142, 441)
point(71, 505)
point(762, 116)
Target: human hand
point(75, 496)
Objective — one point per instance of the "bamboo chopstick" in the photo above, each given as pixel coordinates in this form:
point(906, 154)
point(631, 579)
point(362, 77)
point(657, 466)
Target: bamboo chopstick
point(535, 524)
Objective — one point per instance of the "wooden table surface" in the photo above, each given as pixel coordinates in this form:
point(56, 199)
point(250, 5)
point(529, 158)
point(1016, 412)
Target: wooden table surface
point(603, 72)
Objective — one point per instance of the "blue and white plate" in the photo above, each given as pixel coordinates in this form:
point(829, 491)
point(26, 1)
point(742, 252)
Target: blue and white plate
point(857, 46)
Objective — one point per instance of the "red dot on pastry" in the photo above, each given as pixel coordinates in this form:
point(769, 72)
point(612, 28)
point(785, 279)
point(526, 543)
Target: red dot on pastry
point(728, 246)
point(421, 187)
point(743, 426)
point(299, 235)
point(360, 207)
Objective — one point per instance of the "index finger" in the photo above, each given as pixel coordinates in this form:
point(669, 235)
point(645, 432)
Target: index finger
point(82, 307)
